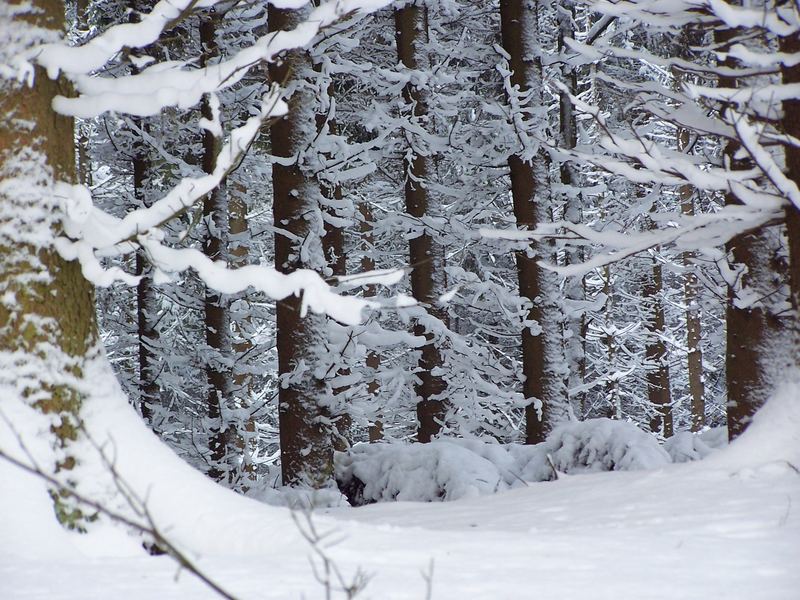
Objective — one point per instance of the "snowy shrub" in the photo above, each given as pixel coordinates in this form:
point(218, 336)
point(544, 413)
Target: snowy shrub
point(603, 445)
point(450, 469)
point(440, 470)
point(686, 446)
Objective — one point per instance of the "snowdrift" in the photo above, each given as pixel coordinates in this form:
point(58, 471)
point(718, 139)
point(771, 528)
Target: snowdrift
point(450, 469)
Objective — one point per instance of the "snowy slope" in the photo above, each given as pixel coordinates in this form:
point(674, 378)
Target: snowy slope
point(727, 527)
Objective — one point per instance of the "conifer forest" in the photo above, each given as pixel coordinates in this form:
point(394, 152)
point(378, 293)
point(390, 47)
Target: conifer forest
point(400, 299)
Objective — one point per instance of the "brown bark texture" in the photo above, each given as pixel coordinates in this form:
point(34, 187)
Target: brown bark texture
point(691, 287)
point(426, 255)
point(217, 314)
point(47, 309)
point(749, 326)
point(373, 360)
point(305, 433)
point(529, 187)
point(657, 369)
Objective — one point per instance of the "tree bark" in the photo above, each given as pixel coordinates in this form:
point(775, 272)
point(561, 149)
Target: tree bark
point(373, 361)
point(216, 305)
point(657, 369)
point(574, 287)
point(146, 299)
point(749, 326)
point(691, 286)
point(305, 433)
point(425, 252)
point(542, 352)
point(47, 318)
point(791, 126)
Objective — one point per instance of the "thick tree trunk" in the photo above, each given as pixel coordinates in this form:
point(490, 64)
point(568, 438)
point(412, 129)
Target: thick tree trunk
point(47, 318)
point(750, 328)
point(305, 435)
point(426, 254)
point(791, 126)
point(542, 353)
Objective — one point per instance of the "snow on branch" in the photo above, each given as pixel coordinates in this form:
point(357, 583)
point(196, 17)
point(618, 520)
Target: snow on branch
point(192, 189)
point(93, 55)
point(315, 293)
point(169, 83)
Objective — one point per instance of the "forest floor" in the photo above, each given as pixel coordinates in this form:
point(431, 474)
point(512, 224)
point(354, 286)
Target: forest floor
point(725, 527)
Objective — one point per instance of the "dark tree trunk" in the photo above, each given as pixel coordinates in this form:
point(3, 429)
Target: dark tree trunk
point(691, 286)
point(305, 435)
point(217, 313)
point(749, 327)
point(574, 287)
point(541, 361)
point(146, 298)
point(658, 385)
point(333, 247)
point(373, 360)
point(791, 126)
point(425, 253)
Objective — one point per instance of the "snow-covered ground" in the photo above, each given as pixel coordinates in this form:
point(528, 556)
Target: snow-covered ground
point(724, 527)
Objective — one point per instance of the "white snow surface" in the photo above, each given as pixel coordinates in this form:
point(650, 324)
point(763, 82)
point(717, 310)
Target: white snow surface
point(724, 527)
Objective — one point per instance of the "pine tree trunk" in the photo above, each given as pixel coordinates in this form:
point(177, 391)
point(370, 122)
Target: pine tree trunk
point(241, 346)
point(658, 385)
point(146, 300)
point(542, 353)
point(791, 126)
point(305, 435)
point(574, 287)
point(47, 318)
point(217, 313)
point(425, 253)
point(691, 286)
point(333, 247)
point(749, 327)
point(373, 360)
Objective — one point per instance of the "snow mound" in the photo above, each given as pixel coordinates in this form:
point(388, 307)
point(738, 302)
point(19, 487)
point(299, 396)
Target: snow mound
point(773, 437)
point(437, 471)
point(686, 446)
point(450, 469)
point(604, 445)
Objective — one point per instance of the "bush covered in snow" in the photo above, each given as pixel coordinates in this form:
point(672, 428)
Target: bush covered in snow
point(685, 446)
point(449, 469)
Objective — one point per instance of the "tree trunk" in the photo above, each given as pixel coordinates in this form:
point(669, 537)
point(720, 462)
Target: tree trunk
point(791, 126)
point(333, 247)
point(425, 253)
point(47, 318)
point(574, 287)
point(241, 376)
point(691, 286)
point(657, 369)
point(305, 435)
point(146, 299)
point(542, 353)
point(749, 326)
point(217, 313)
point(373, 360)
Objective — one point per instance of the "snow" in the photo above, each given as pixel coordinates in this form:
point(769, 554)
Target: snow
point(726, 526)
point(452, 469)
